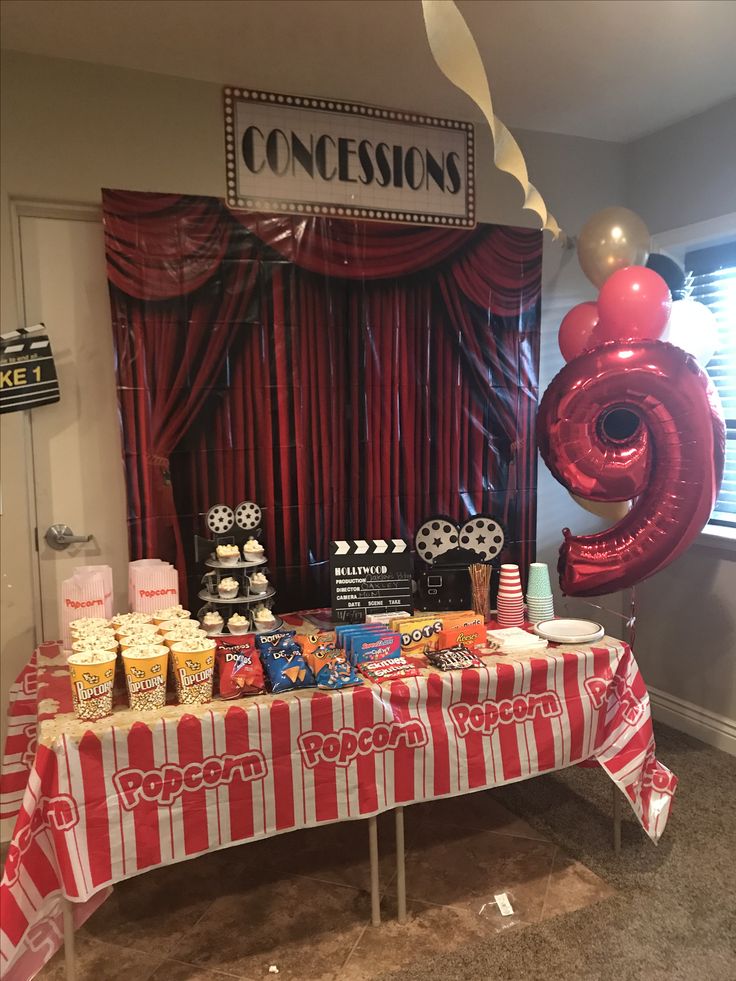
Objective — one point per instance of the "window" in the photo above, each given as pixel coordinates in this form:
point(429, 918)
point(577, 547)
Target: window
point(713, 272)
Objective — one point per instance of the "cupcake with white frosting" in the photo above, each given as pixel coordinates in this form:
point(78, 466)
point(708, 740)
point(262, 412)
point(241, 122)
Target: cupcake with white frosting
point(238, 624)
point(228, 554)
point(212, 622)
point(253, 550)
point(264, 618)
point(258, 583)
point(228, 588)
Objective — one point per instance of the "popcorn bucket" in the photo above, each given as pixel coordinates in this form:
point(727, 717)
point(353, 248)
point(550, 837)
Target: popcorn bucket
point(193, 670)
point(95, 643)
point(145, 676)
point(92, 674)
point(175, 636)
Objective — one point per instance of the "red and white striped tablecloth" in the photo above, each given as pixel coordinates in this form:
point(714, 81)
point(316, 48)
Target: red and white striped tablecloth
point(98, 803)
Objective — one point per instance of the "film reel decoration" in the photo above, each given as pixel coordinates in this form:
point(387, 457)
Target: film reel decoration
point(484, 536)
point(248, 515)
point(220, 519)
point(436, 537)
point(439, 537)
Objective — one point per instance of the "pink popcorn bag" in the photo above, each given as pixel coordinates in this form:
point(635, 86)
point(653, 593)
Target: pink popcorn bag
point(81, 596)
point(106, 573)
point(152, 586)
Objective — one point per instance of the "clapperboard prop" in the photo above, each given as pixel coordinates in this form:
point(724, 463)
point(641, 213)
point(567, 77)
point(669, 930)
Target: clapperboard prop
point(369, 577)
point(27, 370)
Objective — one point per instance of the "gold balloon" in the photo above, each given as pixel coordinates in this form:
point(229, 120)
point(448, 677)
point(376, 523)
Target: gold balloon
point(612, 511)
point(611, 239)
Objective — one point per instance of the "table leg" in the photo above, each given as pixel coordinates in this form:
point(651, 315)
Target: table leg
point(375, 891)
point(400, 865)
point(70, 960)
point(616, 820)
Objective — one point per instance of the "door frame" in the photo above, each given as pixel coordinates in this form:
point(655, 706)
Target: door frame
point(29, 208)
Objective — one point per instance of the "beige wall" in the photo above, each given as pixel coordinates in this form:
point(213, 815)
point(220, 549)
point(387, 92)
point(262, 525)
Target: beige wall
point(71, 128)
point(686, 646)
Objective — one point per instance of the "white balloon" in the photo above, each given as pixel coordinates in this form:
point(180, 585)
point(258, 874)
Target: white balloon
point(694, 328)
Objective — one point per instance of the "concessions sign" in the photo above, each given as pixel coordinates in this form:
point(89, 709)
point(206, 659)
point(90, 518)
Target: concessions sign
point(27, 371)
point(296, 154)
point(369, 577)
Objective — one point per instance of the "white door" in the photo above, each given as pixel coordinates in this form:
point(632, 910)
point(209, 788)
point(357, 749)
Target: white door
point(78, 471)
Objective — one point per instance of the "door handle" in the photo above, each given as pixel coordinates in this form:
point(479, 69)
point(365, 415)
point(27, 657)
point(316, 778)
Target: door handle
point(61, 536)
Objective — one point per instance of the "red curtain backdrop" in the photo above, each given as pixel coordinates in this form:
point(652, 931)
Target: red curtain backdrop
point(351, 377)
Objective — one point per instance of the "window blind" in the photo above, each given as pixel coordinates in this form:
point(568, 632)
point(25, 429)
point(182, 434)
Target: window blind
point(713, 272)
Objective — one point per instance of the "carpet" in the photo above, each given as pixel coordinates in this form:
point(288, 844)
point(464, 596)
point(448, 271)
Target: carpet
point(674, 915)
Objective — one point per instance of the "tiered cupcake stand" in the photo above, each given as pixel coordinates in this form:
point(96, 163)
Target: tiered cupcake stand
point(229, 527)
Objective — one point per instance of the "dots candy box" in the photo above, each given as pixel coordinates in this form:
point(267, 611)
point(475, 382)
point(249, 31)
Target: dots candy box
point(418, 634)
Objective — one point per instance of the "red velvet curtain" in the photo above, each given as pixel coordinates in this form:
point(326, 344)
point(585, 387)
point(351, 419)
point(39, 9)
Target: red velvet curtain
point(351, 377)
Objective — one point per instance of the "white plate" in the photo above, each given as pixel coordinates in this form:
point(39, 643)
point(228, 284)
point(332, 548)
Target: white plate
point(570, 631)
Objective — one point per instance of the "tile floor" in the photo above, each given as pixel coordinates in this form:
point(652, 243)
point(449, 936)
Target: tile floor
point(300, 901)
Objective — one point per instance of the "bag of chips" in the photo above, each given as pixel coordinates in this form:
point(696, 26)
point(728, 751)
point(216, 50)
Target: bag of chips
point(274, 637)
point(240, 668)
point(285, 665)
point(321, 640)
point(331, 669)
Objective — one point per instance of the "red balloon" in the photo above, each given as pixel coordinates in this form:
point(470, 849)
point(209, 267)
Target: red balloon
point(634, 304)
point(576, 330)
point(641, 420)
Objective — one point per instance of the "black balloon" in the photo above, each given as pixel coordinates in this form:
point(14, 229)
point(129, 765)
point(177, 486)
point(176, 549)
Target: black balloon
point(671, 272)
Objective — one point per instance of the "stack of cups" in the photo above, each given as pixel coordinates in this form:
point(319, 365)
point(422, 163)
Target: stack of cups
point(539, 593)
point(510, 604)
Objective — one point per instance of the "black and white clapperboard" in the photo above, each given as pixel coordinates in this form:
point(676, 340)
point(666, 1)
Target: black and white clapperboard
point(27, 370)
point(369, 577)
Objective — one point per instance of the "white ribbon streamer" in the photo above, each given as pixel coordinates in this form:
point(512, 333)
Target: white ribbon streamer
point(457, 56)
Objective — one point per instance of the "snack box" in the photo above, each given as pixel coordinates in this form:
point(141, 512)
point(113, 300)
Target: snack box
point(344, 629)
point(386, 618)
point(419, 634)
point(374, 647)
point(455, 618)
point(369, 642)
point(471, 636)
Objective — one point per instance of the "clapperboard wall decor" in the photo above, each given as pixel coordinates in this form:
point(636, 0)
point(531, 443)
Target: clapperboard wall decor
point(27, 370)
point(371, 576)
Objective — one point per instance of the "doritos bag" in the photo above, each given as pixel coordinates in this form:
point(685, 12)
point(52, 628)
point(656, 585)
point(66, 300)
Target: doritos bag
point(331, 669)
point(285, 665)
point(240, 668)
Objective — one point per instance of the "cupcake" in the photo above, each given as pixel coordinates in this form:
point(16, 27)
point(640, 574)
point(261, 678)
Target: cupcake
point(212, 622)
point(238, 624)
point(228, 554)
point(227, 588)
point(253, 550)
point(258, 583)
point(264, 618)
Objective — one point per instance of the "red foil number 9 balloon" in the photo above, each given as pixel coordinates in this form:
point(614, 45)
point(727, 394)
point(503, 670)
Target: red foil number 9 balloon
point(638, 419)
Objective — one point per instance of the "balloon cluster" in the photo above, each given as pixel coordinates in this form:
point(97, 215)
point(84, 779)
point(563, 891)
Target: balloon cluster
point(641, 294)
point(632, 415)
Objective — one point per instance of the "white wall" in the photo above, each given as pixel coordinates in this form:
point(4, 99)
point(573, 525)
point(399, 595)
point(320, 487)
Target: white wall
point(69, 129)
point(686, 636)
